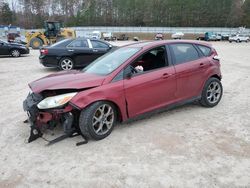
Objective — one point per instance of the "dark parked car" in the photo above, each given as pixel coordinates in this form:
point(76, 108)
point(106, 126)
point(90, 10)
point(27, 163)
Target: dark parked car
point(13, 49)
point(11, 37)
point(15, 38)
point(123, 37)
point(159, 36)
point(211, 36)
point(123, 84)
point(73, 53)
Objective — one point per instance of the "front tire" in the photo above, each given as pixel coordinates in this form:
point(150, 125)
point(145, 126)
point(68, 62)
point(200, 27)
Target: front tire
point(15, 53)
point(36, 43)
point(211, 93)
point(97, 121)
point(66, 63)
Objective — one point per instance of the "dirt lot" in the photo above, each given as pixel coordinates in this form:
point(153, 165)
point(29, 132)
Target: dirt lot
point(190, 146)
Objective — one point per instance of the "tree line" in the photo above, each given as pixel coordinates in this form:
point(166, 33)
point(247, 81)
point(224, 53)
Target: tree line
point(165, 13)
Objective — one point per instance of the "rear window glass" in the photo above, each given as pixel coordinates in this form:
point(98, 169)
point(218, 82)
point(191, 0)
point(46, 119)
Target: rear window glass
point(97, 44)
point(61, 43)
point(205, 50)
point(184, 53)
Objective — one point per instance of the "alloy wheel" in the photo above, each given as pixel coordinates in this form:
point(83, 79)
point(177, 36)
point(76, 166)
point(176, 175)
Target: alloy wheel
point(15, 53)
point(103, 119)
point(213, 92)
point(67, 64)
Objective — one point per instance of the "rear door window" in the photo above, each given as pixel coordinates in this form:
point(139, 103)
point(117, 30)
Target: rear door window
point(79, 44)
point(184, 53)
point(206, 51)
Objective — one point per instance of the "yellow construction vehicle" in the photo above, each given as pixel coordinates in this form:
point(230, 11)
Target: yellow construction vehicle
point(53, 32)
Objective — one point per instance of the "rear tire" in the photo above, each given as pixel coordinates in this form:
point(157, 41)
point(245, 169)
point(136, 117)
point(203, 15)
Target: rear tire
point(15, 53)
point(97, 120)
point(36, 43)
point(211, 93)
point(66, 63)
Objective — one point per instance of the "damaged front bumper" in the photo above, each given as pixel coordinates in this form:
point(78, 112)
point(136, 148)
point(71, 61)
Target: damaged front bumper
point(43, 119)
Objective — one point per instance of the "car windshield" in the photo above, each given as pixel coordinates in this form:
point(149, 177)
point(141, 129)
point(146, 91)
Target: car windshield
point(110, 61)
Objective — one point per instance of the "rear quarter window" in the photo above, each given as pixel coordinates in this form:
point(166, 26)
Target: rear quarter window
point(62, 43)
point(206, 51)
point(97, 44)
point(78, 44)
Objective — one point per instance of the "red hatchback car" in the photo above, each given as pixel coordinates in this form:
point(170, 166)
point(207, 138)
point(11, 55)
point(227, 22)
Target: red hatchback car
point(122, 84)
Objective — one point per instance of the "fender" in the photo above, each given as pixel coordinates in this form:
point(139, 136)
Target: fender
point(211, 72)
point(112, 92)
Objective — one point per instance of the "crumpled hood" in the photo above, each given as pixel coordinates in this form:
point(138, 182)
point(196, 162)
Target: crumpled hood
point(66, 80)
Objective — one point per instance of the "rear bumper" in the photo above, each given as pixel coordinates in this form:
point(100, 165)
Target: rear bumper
point(25, 51)
point(48, 62)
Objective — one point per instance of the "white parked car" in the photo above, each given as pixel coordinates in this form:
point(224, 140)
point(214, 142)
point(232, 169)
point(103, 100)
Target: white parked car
point(108, 36)
point(238, 38)
point(96, 35)
point(177, 35)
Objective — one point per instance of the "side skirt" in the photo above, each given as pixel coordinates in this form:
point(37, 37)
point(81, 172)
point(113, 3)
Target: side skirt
point(163, 109)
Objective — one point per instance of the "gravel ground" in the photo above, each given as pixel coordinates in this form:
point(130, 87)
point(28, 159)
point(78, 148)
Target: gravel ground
point(189, 146)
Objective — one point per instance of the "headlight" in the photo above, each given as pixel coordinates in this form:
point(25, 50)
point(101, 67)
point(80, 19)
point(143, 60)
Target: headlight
point(55, 101)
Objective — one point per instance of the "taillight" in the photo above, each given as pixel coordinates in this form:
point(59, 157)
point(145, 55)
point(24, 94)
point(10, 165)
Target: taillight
point(44, 51)
point(213, 52)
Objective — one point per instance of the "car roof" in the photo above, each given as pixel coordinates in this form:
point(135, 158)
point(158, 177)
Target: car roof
point(84, 38)
point(92, 39)
point(150, 44)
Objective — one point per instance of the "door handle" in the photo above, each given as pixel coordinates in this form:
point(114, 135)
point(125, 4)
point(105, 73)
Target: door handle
point(95, 50)
point(166, 75)
point(71, 50)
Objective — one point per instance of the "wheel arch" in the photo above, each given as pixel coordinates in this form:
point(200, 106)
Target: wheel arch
point(85, 102)
point(13, 48)
point(64, 56)
point(215, 76)
point(211, 73)
point(118, 110)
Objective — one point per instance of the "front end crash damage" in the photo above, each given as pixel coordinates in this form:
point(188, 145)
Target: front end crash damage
point(41, 119)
